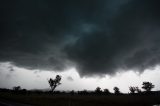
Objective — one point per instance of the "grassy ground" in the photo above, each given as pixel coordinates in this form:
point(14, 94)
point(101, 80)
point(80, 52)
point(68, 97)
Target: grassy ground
point(82, 100)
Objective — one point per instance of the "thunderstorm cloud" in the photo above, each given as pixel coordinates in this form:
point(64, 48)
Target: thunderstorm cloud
point(94, 36)
point(69, 78)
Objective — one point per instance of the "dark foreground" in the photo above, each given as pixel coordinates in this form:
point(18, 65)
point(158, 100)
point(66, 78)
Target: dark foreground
point(10, 99)
point(11, 103)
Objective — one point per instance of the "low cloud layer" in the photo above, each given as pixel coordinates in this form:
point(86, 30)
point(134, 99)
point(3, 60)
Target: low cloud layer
point(97, 37)
point(69, 78)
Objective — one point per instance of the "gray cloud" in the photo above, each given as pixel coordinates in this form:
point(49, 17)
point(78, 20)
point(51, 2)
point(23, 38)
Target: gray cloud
point(11, 69)
point(97, 37)
point(69, 78)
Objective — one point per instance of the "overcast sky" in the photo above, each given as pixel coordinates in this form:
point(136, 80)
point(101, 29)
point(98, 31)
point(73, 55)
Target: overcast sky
point(103, 43)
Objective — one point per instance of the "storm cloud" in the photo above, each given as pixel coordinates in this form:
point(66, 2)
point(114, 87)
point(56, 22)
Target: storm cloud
point(94, 36)
point(69, 78)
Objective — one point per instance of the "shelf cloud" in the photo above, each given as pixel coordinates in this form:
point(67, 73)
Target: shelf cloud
point(95, 36)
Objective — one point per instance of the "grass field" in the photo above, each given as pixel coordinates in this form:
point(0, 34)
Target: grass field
point(82, 100)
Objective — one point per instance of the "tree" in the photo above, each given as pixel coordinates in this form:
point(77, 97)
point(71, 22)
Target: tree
point(106, 91)
point(98, 90)
point(116, 90)
point(72, 92)
point(147, 86)
point(132, 89)
point(138, 90)
point(54, 82)
point(16, 88)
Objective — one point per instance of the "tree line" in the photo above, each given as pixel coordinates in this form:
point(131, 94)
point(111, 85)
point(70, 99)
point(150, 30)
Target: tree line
point(147, 86)
point(54, 83)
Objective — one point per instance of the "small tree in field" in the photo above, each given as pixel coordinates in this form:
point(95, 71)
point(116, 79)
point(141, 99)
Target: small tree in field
point(98, 90)
point(106, 91)
point(16, 88)
point(132, 89)
point(116, 90)
point(147, 86)
point(138, 90)
point(54, 82)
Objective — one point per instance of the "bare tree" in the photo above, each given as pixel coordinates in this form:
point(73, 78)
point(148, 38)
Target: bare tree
point(147, 86)
point(54, 82)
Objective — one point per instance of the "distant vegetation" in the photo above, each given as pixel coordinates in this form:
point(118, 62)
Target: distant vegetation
point(116, 90)
point(98, 97)
point(147, 86)
point(54, 82)
point(132, 89)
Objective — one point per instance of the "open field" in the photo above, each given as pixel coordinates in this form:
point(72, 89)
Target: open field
point(81, 100)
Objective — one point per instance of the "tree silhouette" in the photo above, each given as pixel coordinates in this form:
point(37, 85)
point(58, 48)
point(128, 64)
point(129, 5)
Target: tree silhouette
point(116, 90)
point(106, 91)
point(54, 82)
point(98, 90)
point(132, 89)
point(84, 92)
point(138, 90)
point(147, 86)
point(16, 88)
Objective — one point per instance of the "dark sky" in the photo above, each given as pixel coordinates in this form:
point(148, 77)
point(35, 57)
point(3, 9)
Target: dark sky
point(95, 36)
